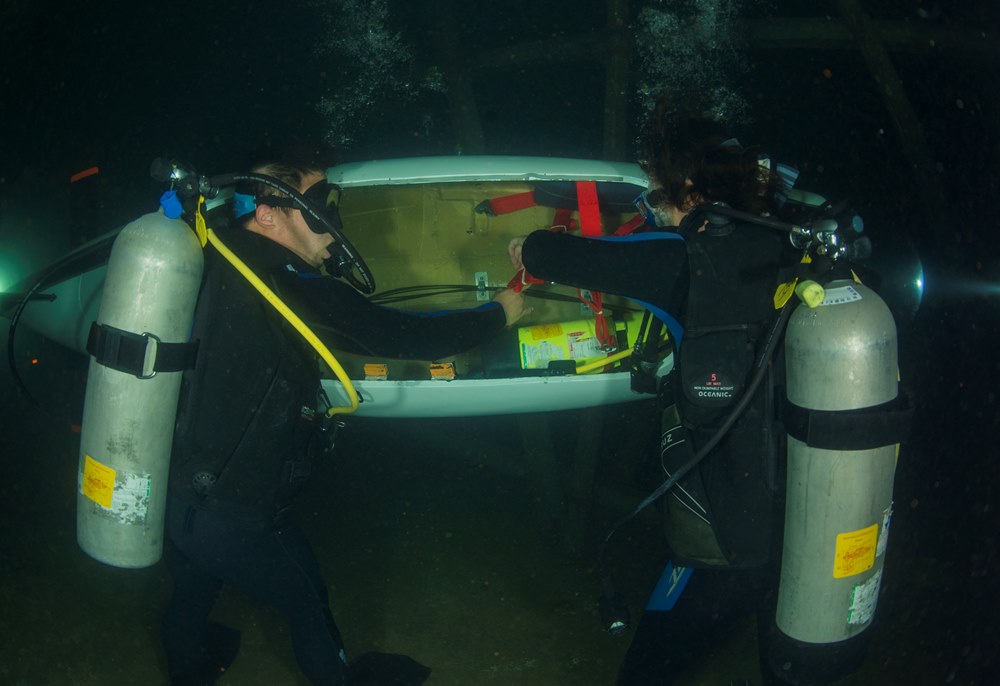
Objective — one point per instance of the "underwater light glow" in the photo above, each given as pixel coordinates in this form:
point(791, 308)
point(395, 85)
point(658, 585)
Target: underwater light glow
point(918, 282)
point(981, 280)
point(965, 287)
point(901, 280)
point(30, 238)
point(8, 271)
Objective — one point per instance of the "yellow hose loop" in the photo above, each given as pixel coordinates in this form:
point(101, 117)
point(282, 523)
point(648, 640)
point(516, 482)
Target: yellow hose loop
point(294, 320)
point(610, 359)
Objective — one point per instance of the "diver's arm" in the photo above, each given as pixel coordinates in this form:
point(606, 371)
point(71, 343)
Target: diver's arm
point(512, 303)
point(386, 332)
point(648, 267)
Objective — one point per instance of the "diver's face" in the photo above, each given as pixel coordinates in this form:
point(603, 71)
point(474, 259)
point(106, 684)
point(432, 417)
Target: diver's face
point(298, 237)
point(675, 214)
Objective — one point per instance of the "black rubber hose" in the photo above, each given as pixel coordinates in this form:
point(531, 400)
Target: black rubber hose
point(762, 365)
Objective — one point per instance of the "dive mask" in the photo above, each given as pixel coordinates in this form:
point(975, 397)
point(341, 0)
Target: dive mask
point(318, 205)
point(321, 197)
point(653, 216)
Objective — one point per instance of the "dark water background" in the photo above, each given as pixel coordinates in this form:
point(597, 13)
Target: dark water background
point(438, 537)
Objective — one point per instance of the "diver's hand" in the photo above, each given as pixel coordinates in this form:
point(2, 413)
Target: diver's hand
point(514, 250)
point(512, 303)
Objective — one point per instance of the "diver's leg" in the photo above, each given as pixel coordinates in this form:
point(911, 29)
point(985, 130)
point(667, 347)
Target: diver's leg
point(197, 650)
point(666, 643)
point(278, 568)
point(316, 639)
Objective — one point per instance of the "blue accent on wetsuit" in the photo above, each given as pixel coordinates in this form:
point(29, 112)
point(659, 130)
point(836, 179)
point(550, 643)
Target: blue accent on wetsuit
point(669, 588)
point(675, 328)
point(649, 268)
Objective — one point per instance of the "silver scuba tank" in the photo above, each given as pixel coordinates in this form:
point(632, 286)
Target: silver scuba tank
point(152, 284)
point(841, 364)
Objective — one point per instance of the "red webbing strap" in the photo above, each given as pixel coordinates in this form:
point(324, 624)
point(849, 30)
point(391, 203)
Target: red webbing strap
point(594, 302)
point(590, 210)
point(590, 226)
point(512, 203)
point(521, 279)
point(630, 226)
point(563, 220)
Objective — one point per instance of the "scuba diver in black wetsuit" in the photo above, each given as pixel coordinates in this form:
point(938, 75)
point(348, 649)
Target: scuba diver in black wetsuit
point(712, 286)
point(246, 432)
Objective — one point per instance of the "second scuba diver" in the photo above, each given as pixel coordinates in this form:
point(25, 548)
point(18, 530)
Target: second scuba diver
point(713, 290)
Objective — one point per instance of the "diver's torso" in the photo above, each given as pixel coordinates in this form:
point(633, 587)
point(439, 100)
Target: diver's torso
point(729, 312)
point(246, 413)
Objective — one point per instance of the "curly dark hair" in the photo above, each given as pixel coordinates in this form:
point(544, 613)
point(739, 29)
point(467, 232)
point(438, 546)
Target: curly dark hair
point(676, 148)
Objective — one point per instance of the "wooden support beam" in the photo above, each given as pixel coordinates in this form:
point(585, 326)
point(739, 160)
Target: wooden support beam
point(461, 98)
point(908, 127)
point(560, 49)
point(617, 82)
point(819, 33)
point(540, 465)
point(580, 487)
point(897, 36)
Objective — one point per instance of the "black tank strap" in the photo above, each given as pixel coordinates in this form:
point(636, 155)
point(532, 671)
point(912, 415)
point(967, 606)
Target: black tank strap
point(861, 429)
point(142, 355)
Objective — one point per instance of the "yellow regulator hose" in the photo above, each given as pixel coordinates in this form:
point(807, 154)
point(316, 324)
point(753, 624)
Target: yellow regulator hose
point(207, 234)
point(610, 359)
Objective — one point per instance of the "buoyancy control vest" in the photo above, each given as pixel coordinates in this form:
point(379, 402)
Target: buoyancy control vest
point(247, 413)
point(722, 514)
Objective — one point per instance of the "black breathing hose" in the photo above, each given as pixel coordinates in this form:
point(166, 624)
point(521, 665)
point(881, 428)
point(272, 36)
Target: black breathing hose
point(96, 252)
point(762, 366)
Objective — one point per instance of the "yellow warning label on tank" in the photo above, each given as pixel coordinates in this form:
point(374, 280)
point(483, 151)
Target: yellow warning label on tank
point(855, 552)
point(98, 481)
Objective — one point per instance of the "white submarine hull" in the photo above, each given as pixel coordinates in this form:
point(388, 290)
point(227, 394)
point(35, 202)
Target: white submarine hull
point(415, 222)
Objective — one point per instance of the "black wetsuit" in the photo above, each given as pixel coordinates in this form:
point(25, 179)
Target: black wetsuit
point(242, 445)
point(714, 294)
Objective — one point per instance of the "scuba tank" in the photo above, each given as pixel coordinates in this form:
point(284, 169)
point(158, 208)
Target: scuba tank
point(844, 419)
point(139, 347)
point(841, 418)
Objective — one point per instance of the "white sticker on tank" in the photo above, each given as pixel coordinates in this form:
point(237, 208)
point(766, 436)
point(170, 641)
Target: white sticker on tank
point(130, 499)
point(883, 534)
point(840, 296)
point(863, 600)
